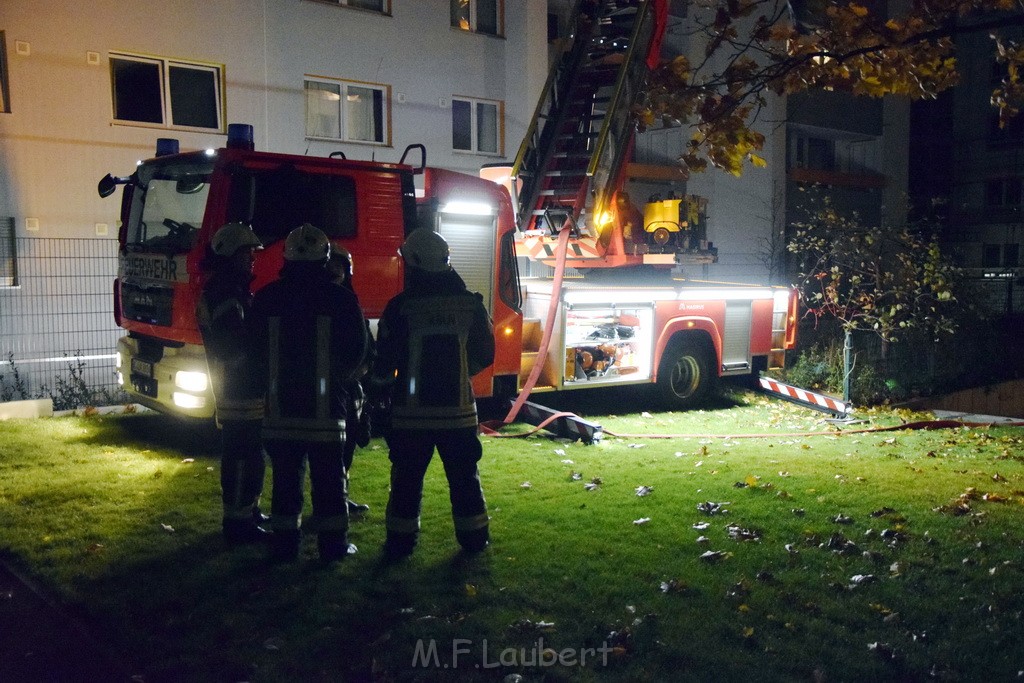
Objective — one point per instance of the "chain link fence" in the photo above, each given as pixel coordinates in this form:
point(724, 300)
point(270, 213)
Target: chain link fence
point(57, 329)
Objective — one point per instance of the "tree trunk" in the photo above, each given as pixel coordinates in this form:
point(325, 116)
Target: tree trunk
point(847, 363)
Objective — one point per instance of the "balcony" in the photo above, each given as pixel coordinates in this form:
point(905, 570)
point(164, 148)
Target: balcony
point(865, 180)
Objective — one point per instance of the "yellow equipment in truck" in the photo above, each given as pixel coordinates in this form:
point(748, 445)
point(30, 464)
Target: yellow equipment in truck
point(679, 219)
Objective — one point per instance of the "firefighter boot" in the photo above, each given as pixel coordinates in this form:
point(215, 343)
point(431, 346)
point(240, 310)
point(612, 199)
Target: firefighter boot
point(474, 541)
point(334, 546)
point(284, 545)
point(399, 545)
point(243, 531)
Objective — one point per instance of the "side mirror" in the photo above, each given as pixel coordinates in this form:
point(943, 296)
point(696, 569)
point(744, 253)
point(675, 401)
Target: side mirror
point(107, 185)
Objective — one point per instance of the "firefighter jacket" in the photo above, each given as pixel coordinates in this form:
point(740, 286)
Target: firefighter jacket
point(311, 338)
point(222, 315)
point(432, 339)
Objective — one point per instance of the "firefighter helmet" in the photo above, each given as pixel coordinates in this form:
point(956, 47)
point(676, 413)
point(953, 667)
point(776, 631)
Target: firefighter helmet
point(231, 237)
point(307, 243)
point(426, 250)
point(341, 261)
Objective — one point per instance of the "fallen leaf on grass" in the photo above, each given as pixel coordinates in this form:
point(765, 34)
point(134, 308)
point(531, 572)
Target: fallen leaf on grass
point(710, 508)
point(673, 586)
point(842, 519)
point(593, 484)
point(642, 520)
point(644, 490)
point(576, 476)
point(526, 485)
point(701, 526)
point(862, 580)
point(525, 624)
point(712, 556)
point(740, 534)
point(838, 543)
point(167, 527)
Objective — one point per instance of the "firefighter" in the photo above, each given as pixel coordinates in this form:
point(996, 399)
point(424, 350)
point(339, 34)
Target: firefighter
point(432, 338)
point(222, 313)
point(357, 425)
point(632, 221)
point(312, 338)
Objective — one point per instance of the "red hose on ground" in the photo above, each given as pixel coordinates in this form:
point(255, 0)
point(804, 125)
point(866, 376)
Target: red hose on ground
point(923, 424)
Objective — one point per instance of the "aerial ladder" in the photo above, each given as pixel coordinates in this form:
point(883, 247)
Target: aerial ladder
point(571, 167)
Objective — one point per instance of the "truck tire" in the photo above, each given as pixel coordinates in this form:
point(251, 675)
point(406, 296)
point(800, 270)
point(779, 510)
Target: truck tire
point(685, 374)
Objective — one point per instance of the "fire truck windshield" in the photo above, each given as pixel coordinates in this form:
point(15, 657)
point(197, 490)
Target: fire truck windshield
point(168, 205)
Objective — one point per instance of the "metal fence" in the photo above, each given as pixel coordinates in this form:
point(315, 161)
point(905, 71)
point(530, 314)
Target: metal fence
point(56, 315)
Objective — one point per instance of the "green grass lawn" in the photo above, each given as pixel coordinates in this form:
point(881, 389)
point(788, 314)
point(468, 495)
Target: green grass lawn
point(840, 556)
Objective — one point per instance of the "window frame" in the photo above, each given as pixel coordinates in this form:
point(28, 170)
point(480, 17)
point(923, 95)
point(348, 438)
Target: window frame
point(343, 120)
point(385, 6)
point(5, 77)
point(165, 64)
point(499, 132)
point(474, 18)
point(8, 254)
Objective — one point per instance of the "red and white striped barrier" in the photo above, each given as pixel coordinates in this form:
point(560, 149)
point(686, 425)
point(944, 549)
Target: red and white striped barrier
point(809, 399)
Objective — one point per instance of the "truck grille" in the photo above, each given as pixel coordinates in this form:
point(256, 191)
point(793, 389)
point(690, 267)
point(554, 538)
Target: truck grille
point(151, 305)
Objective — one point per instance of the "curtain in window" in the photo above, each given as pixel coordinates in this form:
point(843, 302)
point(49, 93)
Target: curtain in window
point(487, 128)
point(323, 110)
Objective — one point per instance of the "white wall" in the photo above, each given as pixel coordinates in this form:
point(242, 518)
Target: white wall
point(59, 140)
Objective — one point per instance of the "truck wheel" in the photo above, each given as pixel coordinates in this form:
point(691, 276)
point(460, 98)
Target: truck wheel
point(685, 375)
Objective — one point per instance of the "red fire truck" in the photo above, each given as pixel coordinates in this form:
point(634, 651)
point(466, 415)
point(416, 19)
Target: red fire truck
point(680, 336)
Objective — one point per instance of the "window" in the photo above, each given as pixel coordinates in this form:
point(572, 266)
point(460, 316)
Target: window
point(166, 92)
point(8, 254)
point(1011, 255)
point(375, 5)
point(329, 202)
point(990, 254)
point(344, 110)
point(1003, 192)
point(814, 153)
point(476, 126)
point(1011, 135)
point(5, 93)
point(480, 16)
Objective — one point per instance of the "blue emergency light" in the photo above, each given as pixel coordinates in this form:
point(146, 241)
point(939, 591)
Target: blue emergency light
point(165, 146)
point(240, 136)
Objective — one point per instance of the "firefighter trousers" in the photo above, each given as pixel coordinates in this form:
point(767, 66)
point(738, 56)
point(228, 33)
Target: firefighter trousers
point(242, 468)
point(288, 460)
point(410, 453)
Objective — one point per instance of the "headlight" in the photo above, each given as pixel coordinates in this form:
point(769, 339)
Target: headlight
point(190, 380)
point(191, 401)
